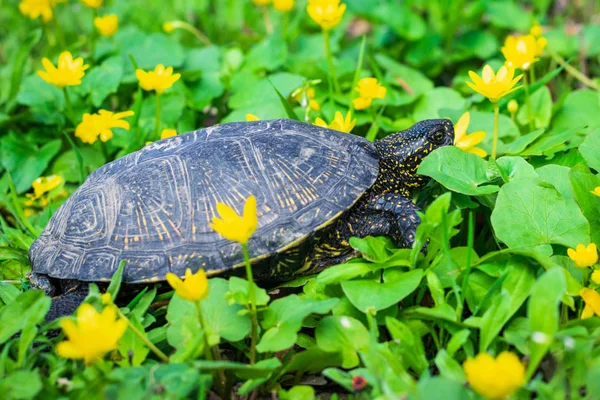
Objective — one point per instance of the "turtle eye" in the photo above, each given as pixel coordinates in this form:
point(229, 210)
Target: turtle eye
point(437, 137)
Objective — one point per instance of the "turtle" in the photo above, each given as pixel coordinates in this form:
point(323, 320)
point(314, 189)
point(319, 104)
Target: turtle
point(314, 187)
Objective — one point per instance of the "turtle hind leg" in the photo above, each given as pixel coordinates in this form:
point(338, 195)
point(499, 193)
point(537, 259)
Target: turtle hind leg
point(65, 304)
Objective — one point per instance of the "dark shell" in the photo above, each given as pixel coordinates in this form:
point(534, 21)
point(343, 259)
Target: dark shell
point(153, 207)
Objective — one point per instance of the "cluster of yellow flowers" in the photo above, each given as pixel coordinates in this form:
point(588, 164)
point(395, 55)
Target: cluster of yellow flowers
point(100, 125)
point(495, 378)
point(279, 5)
point(306, 97)
point(158, 80)
point(339, 123)
point(368, 89)
point(584, 257)
point(68, 71)
point(34, 9)
point(326, 13)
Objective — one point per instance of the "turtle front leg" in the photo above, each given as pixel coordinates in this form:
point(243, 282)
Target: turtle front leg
point(403, 214)
point(42, 282)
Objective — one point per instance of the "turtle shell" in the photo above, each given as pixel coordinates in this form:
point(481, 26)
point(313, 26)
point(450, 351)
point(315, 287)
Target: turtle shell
point(153, 207)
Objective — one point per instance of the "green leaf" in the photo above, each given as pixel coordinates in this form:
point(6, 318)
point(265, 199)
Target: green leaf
point(458, 171)
point(543, 313)
point(314, 360)
point(148, 50)
point(342, 334)
point(18, 62)
point(268, 55)
point(397, 284)
point(433, 101)
point(401, 19)
point(541, 109)
point(557, 176)
point(46, 101)
point(283, 319)
point(25, 162)
point(115, 282)
point(67, 164)
point(28, 307)
point(21, 385)
point(589, 149)
point(583, 182)
point(238, 293)
point(103, 80)
point(581, 108)
point(515, 168)
point(550, 142)
point(413, 83)
point(507, 14)
point(288, 108)
point(528, 214)
point(299, 392)
point(521, 143)
point(131, 347)
point(408, 344)
point(222, 319)
point(449, 367)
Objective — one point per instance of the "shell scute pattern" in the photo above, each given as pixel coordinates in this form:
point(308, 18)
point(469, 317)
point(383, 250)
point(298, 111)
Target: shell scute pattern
point(153, 207)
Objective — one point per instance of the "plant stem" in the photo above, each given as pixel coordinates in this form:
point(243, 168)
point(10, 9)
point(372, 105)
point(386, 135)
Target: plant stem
point(193, 30)
point(207, 352)
point(157, 120)
point(70, 116)
point(527, 99)
point(211, 353)
point(252, 300)
point(93, 35)
point(496, 123)
point(267, 19)
point(143, 337)
point(332, 73)
point(574, 72)
point(470, 240)
point(284, 24)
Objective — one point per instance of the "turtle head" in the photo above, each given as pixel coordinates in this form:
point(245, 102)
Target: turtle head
point(401, 154)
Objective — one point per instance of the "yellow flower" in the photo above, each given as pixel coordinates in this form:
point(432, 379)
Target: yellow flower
point(283, 5)
point(592, 303)
point(33, 9)
point(107, 25)
point(234, 227)
point(160, 79)
point(467, 142)
point(261, 2)
point(92, 3)
point(167, 133)
point(596, 277)
point(327, 13)
point(45, 184)
point(584, 256)
point(495, 378)
point(100, 125)
point(494, 86)
point(522, 51)
point(93, 335)
point(168, 27)
point(67, 73)
point(302, 94)
point(339, 123)
point(193, 288)
point(596, 191)
point(536, 30)
point(513, 106)
point(368, 89)
point(252, 117)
